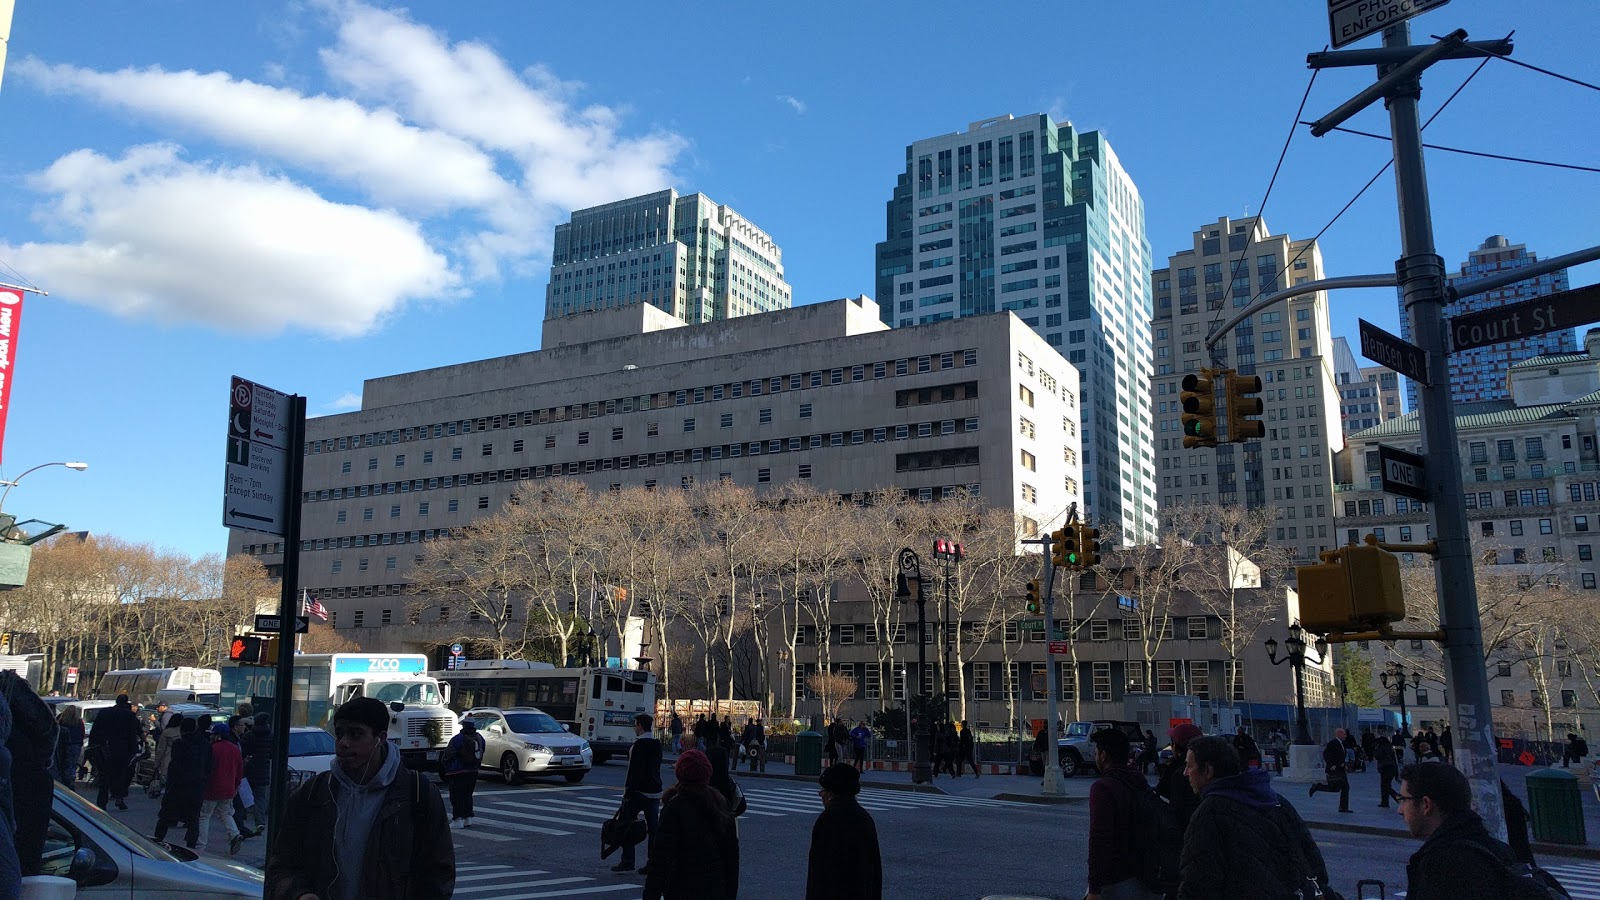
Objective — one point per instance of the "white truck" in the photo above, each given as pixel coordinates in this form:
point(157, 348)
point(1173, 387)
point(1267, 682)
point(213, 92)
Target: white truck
point(420, 723)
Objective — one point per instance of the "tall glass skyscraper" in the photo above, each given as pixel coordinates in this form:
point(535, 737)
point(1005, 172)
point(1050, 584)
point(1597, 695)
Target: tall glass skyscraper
point(1041, 219)
point(1480, 373)
point(688, 256)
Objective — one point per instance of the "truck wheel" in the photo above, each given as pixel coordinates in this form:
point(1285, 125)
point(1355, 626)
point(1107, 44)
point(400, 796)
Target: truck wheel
point(574, 777)
point(1069, 765)
point(509, 770)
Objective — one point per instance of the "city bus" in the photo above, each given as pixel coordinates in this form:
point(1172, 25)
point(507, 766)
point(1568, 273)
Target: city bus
point(420, 724)
point(181, 684)
point(596, 703)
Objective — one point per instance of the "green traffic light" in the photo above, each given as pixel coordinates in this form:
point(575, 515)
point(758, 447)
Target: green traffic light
point(1072, 558)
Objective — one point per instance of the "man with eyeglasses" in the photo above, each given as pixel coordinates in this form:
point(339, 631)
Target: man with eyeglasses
point(1458, 857)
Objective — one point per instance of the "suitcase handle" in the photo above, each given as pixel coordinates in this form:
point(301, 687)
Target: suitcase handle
point(1361, 893)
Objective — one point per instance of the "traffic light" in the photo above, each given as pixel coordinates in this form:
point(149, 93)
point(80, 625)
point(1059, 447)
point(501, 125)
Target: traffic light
point(1089, 546)
point(5, 642)
point(1199, 409)
point(1354, 589)
point(1069, 552)
point(1058, 547)
point(1243, 407)
point(950, 550)
point(1034, 604)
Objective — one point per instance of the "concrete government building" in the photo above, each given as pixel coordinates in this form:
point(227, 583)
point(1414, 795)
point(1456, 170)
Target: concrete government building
point(634, 396)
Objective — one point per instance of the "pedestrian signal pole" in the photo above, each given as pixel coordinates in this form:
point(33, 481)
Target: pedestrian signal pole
point(1420, 272)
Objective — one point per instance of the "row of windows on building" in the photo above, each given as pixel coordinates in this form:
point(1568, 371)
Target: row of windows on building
point(1194, 628)
point(644, 402)
point(1190, 677)
point(645, 460)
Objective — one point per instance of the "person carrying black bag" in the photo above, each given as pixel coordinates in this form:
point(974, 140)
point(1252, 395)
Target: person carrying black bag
point(463, 756)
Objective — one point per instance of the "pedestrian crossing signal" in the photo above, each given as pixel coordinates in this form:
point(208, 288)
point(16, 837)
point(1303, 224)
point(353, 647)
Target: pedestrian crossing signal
point(1199, 409)
point(1034, 596)
point(249, 650)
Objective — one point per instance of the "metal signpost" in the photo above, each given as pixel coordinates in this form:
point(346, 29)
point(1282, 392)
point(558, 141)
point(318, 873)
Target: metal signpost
point(1403, 473)
point(265, 469)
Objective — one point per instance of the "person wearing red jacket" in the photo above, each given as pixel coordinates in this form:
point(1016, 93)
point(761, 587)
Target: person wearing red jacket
point(227, 769)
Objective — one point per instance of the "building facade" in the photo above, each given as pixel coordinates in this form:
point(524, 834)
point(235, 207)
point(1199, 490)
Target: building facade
point(1368, 395)
point(1288, 345)
point(1531, 480)
point(631, 396)
point(1035, 217)
point(693, 258)
point(1480, 373)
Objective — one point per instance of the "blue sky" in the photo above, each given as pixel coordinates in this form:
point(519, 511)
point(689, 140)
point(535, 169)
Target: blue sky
point(308, 194)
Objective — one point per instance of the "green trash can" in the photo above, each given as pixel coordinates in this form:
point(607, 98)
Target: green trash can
point(808, 753)
point(1555, 807)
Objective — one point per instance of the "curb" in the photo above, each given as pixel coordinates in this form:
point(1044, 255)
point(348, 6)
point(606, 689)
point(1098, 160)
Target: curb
point(891, 785)
point(1540, 848)
point(1040, 798)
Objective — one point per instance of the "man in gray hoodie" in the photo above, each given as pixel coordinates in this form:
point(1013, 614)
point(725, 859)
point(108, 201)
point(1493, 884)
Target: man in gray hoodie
point(367, 827)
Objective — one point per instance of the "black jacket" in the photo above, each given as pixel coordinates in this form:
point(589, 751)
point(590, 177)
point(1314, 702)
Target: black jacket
point(844, 863)
point(257, 749)
point(409, 853)
point(644, 766)
point(190, 767)
point(32, 743)
point(1180, 796)
point(116, 734)
point(695, 855)
point(1333, 755)
point(1460, 859)
point(1245, 840)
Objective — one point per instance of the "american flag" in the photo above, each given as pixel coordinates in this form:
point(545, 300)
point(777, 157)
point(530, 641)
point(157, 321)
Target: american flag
point(313, 607)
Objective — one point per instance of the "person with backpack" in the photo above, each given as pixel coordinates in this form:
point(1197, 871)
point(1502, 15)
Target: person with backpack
point(1245, 839)
point(1116, 863)
point(367, 827)
point(462, 758)
point(1458, 856)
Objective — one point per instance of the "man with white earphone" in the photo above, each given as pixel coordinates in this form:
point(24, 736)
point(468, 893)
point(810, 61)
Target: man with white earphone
point(367, 827)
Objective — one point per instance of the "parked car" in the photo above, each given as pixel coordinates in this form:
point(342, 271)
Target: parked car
point(108, 859)
point(1074, 751)
point(311, 750)
point(522, 741)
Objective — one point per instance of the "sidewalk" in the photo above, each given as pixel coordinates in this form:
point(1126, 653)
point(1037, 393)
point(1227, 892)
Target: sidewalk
point(1319, 812)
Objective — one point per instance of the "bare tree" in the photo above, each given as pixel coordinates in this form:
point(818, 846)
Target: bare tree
point(482, 569)
point(1145, 579)
point(324, 639)
point(834, 689)
point(1236, 564)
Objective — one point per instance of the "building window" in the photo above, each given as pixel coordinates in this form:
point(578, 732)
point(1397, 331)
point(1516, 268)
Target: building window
point(1197, 628)
point(763, 476)
point(1101, 684)
point(483, 502)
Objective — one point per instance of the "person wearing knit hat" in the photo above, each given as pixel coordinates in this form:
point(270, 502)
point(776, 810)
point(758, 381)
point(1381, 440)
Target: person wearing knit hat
point(696, 848)
point(844, 863)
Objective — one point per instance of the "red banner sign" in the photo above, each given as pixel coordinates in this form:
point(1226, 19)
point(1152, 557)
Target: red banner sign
point(10, 324)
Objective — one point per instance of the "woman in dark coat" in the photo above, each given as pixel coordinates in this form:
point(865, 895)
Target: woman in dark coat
point(695, 855)
point(844, 863)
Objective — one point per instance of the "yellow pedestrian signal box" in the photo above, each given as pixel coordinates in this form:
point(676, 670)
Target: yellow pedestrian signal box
point(1354, 589)
point(1199, 409)
point(1034, 604)
point(1088, 545)
point(1244, 408)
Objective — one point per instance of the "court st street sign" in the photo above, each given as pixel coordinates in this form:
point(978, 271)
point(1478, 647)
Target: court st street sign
point(1555, 312)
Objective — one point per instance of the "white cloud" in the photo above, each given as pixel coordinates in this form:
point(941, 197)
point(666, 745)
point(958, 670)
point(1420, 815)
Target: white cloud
point(347, 400)
point(155, 236)
point(392, 161)
point(794, 103)
point(445, 143)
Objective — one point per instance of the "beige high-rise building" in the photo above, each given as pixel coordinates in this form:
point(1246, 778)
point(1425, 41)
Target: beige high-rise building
point(1231, 263)
point(1368, 395)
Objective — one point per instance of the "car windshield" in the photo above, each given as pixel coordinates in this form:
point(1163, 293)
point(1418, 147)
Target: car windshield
point(311, 743)
point(421, 693)
point(532, 723)
point(135, 841)
point(1078, 729)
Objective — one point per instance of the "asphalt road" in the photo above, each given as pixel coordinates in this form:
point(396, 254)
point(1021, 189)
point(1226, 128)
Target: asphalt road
point(541, 840)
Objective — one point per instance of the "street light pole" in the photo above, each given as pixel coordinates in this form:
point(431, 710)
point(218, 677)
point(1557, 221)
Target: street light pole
point(910, 566)
point(75, 466)
point(1394, 681)
point(948, 554)
point(1295, 656)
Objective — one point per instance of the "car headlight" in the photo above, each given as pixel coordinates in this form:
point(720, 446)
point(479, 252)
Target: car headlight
point(583, 746)
point(537, 748)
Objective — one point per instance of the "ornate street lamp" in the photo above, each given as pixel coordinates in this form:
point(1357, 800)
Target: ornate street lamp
point(1295, 656)
point(910, 566)
point(1395, 682)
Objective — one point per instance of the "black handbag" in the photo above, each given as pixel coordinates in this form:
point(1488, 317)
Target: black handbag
point(615, 833)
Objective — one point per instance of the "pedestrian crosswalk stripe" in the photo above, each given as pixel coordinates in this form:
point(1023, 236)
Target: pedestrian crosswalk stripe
point(538, 789)
point(1582, 880)
point(549, 882)
point(479, 867)
point(482, 876)
point(515, 826)
point(604, 809)
point(569, 892)
point(480, 834)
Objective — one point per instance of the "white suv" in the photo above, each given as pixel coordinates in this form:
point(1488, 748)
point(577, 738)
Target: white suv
point(522, 741)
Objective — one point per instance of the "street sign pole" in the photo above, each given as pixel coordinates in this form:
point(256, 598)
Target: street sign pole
point(288, 609)
point(1421, 276)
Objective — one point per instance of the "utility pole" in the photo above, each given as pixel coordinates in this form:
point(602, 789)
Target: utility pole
point(1420, 273)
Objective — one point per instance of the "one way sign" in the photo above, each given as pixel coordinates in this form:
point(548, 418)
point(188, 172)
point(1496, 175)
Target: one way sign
point(269, 624)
